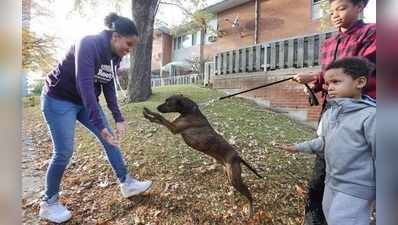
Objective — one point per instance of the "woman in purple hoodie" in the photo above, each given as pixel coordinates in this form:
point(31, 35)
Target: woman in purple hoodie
point(71, 94)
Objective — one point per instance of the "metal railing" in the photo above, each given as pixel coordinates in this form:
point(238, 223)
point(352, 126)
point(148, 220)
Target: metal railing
point(296, 52)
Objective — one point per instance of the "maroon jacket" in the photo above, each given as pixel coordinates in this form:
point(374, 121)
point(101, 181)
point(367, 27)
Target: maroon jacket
point(359, 40)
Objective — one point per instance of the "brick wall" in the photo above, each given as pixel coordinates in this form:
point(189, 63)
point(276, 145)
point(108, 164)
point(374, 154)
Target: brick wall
point(156, 50)
point(278, 19)
point(287, 95)
point(286, 18)
point(161, 49)
point(167, 48)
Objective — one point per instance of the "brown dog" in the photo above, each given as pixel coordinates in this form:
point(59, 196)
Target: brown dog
point(198, 134)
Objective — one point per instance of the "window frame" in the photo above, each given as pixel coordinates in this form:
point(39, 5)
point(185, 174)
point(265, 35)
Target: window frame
point(316, 3)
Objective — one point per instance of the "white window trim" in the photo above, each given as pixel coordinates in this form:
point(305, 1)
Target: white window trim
point(315, 4)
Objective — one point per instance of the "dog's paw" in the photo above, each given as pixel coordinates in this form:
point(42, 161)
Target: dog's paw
point(151, 116)
point(148, 116)
point(149, 112)
point(154, 114)
point(151, 119)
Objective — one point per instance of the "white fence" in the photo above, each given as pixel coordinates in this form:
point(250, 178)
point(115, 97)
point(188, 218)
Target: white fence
point(176, 80)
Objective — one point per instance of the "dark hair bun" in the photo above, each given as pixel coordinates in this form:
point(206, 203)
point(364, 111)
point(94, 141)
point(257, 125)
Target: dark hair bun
point(110, 19)
point(122, 25)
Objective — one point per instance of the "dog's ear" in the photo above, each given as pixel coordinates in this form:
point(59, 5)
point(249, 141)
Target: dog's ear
point(187, 105)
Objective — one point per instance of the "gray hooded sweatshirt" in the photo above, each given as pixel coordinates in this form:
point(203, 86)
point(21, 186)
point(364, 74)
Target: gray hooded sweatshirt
point(347, 138)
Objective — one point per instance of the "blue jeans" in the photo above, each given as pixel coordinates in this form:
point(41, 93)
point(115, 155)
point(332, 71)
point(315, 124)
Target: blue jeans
point(61, 117)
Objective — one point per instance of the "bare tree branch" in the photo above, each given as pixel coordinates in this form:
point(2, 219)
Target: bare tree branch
point(38, 53)
point(179, 5)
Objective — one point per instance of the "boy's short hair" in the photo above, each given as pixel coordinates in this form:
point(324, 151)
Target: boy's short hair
point(355, 2)
point(353, 66)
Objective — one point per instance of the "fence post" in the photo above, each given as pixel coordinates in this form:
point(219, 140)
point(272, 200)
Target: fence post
point(290, 53)
point(231, 62)
point(273, 55)
point(322, 38)
point(224, 63)
point(281, 54)
point(244, 55)
point(215, 64)
point(311, 48)
point(265, 46)
point(300, 52)
point(219, 63)
point(235, 52)
point(258, 57)
point(250, 66)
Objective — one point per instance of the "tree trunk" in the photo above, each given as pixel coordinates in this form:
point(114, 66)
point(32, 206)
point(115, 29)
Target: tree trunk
point(139, 85)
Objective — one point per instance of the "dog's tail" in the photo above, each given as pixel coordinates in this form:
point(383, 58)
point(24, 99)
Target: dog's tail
point(251, 168)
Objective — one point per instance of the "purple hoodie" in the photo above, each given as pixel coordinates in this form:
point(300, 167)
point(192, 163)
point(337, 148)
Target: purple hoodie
point(83, 73)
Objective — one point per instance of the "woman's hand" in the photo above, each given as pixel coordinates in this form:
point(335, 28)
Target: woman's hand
point(287, 147)
point(108, 136)
point(121, 128)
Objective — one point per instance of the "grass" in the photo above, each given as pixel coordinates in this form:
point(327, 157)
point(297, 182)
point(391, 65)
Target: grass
point(188, 187)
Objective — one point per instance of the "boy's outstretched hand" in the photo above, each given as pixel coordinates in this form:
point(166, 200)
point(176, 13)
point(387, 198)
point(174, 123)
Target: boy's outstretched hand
point(287, 147)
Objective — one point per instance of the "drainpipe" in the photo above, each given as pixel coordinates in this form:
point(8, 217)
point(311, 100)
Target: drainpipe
point(256, 20)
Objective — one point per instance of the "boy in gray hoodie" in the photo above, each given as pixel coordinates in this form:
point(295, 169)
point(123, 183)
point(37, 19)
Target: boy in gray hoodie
point(347, 138)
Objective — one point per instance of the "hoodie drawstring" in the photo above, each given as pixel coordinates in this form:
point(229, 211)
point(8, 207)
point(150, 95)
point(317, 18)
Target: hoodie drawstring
point(116, 81)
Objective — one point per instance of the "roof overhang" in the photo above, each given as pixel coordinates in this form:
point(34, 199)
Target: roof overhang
point(162, 29)
point(179, 64)
point(224, 5)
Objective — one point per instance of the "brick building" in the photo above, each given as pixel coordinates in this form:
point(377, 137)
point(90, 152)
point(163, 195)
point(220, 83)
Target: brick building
point(257, 42)
point(270, 19)
point(161, 49)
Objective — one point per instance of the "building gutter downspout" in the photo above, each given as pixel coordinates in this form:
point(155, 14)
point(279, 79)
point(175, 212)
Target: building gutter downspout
point(256, 20)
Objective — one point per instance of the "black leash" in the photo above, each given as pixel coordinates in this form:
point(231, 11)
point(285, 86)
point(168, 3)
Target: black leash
point(312, 98)
point(265, 85)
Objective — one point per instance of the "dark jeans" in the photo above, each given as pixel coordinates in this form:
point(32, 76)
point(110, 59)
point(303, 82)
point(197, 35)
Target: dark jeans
point(313, 214)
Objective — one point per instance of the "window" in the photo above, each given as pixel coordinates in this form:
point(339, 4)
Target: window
point(175, 43)
point(179, 42)
point(186, 41)
point(194, 37)
point(362, 15)
point(316, 11)
point(213, 25)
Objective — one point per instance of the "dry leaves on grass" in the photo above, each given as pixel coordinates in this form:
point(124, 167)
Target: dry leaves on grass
point(188, 187)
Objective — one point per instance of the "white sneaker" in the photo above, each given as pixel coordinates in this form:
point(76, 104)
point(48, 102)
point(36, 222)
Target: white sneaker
point(132, 187)
point(54, 212)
